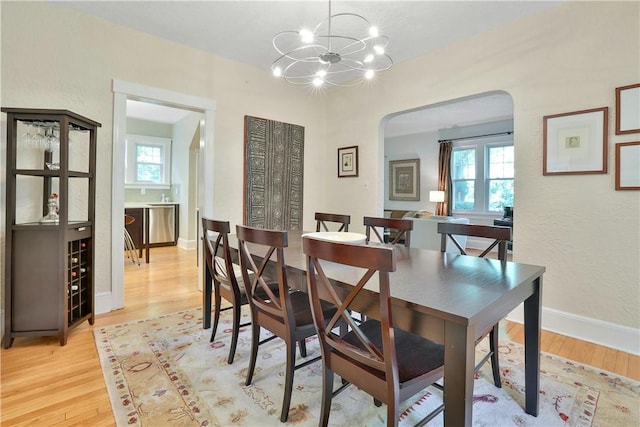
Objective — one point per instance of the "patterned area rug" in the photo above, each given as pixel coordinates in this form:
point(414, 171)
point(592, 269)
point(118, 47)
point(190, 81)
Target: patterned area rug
point(164, 372)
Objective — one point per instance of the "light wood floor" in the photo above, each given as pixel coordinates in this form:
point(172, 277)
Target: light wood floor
point(45, 384)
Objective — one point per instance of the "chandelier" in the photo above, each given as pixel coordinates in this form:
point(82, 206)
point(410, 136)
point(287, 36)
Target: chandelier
point(342, 50)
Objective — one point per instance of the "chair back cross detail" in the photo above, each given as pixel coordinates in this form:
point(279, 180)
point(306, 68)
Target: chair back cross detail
point(399, 230)
point(323, 218)
point(500, 235)
point(262, 295)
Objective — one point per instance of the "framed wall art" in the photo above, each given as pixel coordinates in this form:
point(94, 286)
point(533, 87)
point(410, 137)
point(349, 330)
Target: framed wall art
point(628, 166)
point(575, 143)
point(348, 161)
point(404, 180)
point(628, 109)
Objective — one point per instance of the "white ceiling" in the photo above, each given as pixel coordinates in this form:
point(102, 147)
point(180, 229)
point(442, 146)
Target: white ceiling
point(242, 30)
point(469, 111)
point(155, 112)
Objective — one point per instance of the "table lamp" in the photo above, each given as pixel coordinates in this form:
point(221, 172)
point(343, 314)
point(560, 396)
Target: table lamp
point(437, 197)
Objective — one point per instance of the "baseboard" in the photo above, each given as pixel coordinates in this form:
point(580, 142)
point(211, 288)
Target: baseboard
point(102, 303)
point(619, 337)
point(189, 245)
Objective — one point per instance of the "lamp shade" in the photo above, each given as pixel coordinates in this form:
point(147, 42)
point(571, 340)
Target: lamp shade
point(436, 196)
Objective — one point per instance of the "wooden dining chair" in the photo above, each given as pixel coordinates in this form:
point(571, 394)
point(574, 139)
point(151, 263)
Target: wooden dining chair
point(388, 363)
point(285, 312)
point(222, 277)
point(499, 236)
point(323, 218)
point(399, 230)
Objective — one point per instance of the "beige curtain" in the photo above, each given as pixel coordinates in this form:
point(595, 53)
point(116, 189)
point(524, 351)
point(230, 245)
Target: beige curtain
point(444, 177)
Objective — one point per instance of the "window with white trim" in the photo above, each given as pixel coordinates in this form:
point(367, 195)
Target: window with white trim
point(147, 162)
point(482, 176)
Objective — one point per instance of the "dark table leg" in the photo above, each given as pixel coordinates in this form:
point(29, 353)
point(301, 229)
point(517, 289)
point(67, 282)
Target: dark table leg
point(206, 297)
point(532, 324)
point(146, 234)
point(459, 364)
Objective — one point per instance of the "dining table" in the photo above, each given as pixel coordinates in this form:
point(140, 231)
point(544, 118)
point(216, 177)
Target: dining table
point(449, 298)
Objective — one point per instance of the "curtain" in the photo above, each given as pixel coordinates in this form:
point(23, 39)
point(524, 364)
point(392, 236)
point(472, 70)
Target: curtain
point(444, 177)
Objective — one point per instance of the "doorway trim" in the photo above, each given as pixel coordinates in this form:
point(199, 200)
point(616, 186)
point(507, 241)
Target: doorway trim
point(123, 90)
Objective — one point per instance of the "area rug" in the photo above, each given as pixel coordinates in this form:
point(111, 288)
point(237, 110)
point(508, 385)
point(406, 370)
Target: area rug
point(164, 372)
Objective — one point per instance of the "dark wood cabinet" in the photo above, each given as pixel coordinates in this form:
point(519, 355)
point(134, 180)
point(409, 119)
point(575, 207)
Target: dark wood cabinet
point(50, 213)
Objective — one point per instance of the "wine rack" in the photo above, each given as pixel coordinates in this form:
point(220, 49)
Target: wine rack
point(50, 200)
point(78, 281)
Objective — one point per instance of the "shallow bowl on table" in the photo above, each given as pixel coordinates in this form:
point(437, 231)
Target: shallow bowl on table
point(338, 236)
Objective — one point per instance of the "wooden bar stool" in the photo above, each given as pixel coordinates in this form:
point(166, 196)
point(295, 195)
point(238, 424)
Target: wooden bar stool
point(129, 245)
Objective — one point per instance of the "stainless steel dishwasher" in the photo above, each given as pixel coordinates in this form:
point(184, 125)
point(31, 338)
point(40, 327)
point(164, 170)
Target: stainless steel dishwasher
point(162, 224)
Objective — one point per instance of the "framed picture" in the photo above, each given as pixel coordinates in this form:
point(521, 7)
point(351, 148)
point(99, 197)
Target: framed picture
point(628, 166)
point(348, 161)
point(575, 143)
point(628, 109)
point(404, 179)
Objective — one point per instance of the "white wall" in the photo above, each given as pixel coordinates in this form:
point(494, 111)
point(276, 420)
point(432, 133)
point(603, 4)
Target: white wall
point(84, 54)
point(568, 59)
point(183, 133)
point(149, 128)
point(423, 146)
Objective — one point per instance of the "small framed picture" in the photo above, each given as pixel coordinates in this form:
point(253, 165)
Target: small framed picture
point(575, 143)
point(348, 161)
point(628, 109)
point(628, 166)
point(404, 180)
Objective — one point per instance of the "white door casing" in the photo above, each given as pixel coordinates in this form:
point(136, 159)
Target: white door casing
point(127, 90)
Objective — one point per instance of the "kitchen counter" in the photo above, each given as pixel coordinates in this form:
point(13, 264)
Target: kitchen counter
point(155, 225)
point(147, 204)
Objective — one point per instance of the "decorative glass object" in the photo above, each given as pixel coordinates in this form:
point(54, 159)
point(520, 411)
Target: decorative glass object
point(52, 215)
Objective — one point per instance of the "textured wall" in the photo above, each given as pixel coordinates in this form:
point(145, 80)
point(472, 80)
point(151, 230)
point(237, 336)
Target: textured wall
point(567, 59)
point(54, 57)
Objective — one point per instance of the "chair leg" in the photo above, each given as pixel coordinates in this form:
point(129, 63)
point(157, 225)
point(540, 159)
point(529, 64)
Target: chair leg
point(130, 248)
point(216, 310)
point(303, 347)
point(235, 332)
point(288, 382)
point(393, 412)
point(327, 394)
point(255, 342)
point(495, 364)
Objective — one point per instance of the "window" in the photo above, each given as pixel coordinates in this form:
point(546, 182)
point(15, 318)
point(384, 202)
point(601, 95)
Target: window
point(148, 162)
point(482, 176)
